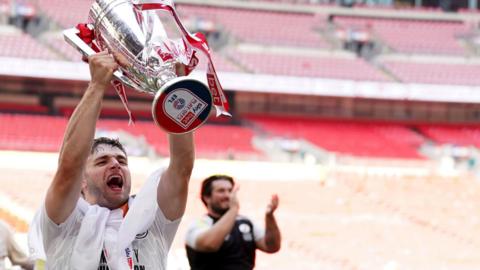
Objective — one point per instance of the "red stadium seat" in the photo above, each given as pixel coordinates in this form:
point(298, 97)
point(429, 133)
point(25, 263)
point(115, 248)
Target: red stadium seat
point(351, 138)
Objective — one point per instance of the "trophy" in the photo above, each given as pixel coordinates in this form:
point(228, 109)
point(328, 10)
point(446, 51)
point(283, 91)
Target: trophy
point(134, 33)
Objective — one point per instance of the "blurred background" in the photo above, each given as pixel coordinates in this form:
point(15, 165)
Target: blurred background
point(362, 115)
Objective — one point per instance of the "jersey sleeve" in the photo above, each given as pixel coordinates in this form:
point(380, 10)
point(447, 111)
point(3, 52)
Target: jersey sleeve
point(53, 233)
point(164, 226)
point(258, 231)
point(196, 228)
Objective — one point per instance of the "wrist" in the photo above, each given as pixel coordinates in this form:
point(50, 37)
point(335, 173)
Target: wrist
point(94, 85)
point(234, 208)
point(269, 215)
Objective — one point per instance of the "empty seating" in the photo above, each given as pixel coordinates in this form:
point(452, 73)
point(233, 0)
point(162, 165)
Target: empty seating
point(66, 15)
point(25, 132)
point(458, 135)
point(410, 36)
point(434, 73)
point(351, 138)
point(58, 43)
point(221, 63)
point(230, 141)
point(18, 103)
point(268, 28)
point(21, 45)
point(311, 66)
point(110, 107)
point(45, 133)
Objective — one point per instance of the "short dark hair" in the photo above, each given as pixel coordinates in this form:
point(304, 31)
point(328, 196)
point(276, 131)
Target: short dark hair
point(207, 185)
point(108, 141)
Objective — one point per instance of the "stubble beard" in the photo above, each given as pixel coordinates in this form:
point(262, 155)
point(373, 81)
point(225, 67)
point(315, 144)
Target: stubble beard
point(219, 210)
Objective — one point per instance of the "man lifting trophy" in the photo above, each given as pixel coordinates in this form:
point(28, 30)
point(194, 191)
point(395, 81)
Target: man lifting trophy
point(133, 31)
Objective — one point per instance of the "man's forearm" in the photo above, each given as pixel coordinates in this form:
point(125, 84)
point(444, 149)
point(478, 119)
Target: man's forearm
point(17, 257)
point(173, 189)
point(272, 234)
point(81, 127)
point(212, 240)
point(182, 153)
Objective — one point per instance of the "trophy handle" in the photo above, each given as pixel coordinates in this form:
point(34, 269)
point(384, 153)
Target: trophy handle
point(71, 36)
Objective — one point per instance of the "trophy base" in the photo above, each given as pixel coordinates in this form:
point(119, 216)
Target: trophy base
point(182, 105)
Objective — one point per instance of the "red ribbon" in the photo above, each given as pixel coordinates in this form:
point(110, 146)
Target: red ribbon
point(88, 36)
point(199, 42)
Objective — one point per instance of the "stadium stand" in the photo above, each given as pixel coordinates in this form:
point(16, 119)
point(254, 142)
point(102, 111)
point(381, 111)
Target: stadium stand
point(18, 103)
point(296, 29)
point(57, 43)
point(309, 66)
point(358, 139)
point(462, 136)
point(45, 133)
point(434, 73)
point(21, 45)
point(404, 35)
point(31, 132)
point(221, 63)
point(65, 15)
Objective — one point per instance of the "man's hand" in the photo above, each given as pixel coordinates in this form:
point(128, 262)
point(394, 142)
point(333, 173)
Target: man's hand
point(180, 69)
point(272, 241)
point(273, 205)
point(234, 204)
point(102, 66)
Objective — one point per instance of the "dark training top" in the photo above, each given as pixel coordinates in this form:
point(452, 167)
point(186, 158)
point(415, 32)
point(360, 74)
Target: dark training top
point(237, 251)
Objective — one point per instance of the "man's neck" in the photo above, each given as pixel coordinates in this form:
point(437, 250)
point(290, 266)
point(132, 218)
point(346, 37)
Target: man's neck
point(93, 201)
point(215, 214)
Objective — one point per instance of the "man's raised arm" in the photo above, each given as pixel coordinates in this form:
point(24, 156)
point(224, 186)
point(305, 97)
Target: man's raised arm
point(65, 188)
point(173, 188)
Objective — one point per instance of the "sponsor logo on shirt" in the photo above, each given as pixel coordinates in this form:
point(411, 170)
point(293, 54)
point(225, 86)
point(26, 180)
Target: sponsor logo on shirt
point(141, 235)
point(246, 232)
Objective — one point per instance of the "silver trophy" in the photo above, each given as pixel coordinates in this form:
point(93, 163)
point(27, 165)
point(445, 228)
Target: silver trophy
point(134, 32)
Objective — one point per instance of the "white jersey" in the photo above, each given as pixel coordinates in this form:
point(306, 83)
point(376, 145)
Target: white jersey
point(149, 249)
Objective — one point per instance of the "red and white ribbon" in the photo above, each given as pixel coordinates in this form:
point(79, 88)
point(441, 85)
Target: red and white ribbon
point(88, 36)
point(198, 42)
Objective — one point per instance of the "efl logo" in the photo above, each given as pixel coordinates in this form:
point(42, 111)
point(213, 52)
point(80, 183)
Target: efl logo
point(183, 107)
point(179, 103)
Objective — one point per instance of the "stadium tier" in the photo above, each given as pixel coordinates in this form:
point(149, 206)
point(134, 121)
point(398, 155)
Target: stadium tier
point(411, 36)
point(350, 68)
point(270, 28)
point(65, 15)
point(357, 139)
point(434, 73)
point(45, 133)
point(462, 136)
point(379, 140)
point(17, 44)
point(56, 42)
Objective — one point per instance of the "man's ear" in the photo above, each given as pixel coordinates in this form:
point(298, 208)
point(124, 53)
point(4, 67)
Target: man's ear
point(84, 185)
point(206, 199)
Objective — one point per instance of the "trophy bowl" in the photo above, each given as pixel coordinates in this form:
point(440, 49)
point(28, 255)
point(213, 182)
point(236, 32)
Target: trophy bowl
point(135, 33)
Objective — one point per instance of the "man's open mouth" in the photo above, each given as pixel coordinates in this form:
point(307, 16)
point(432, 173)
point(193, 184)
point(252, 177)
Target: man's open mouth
point(115, 182)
